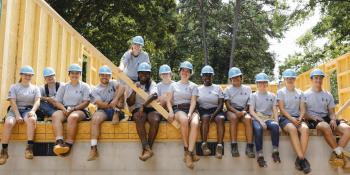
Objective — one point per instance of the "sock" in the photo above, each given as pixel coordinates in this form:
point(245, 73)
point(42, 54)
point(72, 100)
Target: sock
point(260, 153)
point(93, 142)
point(338, 150)
point(5, 146)
point(70, 143)
point(233, 142)
point(30, 142)
point(186, 148)
point(274, 149)
point(219, 144)
point(59, 138)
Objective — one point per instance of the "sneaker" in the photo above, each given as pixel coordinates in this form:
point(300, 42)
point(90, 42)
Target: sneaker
point(276, 157)
point(115, 119)
point(234, 150)
point(93, 155)
point(219, 151)
point(336, 160)
point(60, 148)
point(305, 166)
point(3, 156)
point(205, 149)
point(298, 164)
point(28, 153)
point(261, 162)
point(146, 154)
point(249, 151)
point(188, 160)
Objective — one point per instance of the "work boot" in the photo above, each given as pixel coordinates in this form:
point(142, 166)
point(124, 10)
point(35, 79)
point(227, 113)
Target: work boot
point(249, 151)
point(346, 162)
point(305, 166)
point(261, 162)
point(146, 153)
point(28, 153)
point(336, 160)
point(60, 148)
point(234, 150)
point(3, 156)
point(219, 151)
point(188, 160)
point(93, 155)
point(276, 157)
point(205, 149)
point(298, 164)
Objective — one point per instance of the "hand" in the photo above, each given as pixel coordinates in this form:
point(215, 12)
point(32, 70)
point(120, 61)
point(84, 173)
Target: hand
point(19, 119)
point(263, 124)
point(295, 121)
point(31, 114)
point(138, 84)
point(113, 104)
point(333, 124)
point(211, 117)
point(171, 117)
point(318, 119)
point(189, 116)
point(66, 113)
point(119, 70)
point(240, 114)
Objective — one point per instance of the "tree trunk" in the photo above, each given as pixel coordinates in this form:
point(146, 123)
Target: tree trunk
point(203, 31)
point(236, 19)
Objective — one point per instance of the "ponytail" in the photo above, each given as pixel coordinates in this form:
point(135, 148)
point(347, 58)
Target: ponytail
point(20, 80)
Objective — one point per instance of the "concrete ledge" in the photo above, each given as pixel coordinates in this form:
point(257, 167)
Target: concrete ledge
point(124, 131)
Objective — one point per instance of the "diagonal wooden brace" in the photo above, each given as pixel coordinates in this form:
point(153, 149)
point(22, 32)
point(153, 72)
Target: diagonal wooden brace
point(144, 95)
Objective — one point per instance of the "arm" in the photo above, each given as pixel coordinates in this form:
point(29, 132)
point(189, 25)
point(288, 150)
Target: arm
point(253, 113)
point(193, 105)
point(169, 98)
point(229, 107)
point(102, 105)
point(275, 113)
point(150, 99)
point(15, 108)
point(81, 106)
point(131, 99)
point(117, 95)
point(302, 111)
point(219, 108)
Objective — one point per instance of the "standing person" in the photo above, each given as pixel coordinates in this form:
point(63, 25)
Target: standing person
point(320, 114)
point(181, 103)
point(108, 96)
point(210, 101)
point(236, 100)
point(292, 111)
point(144, 112)
point(25, 100)
point(133, 58)
point(48, 93)
point(262, 106)
point(164, 86)
point(72, 100)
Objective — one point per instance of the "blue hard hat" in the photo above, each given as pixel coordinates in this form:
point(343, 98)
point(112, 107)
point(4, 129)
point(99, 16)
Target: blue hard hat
point(207, 70)
point(144, 67)
point(289, 73)
point(187, 65)
point(138, 40)
point(316, 72)
point(26, 70)
point(164, 69)
point(104, 70)
point(234, 72)
point(75, 68)
point(261, 77)
point(48, 71)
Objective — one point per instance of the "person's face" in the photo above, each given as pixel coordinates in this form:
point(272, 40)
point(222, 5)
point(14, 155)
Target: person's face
point(317, 81)
point(289, 82)
point(50, 79)
point(104, 78)
point(262, 86)
point(26, 77)
point(185, 73)
point(74, 76)
point(236, 81)
point(207, 79)
point(166, 76)
point(136, 49)
point(144, 76)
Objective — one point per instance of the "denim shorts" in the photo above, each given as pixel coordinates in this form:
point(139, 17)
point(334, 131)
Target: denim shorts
point(23, 112)
point(109, 113)
point(46, 108)
point(283, 121)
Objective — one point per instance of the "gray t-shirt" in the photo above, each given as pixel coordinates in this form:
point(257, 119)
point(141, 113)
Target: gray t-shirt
point(263, 102)
point(208, 96)
point(291, 100)
point(182, 93)
point(163, 88)
point(24, 95)
point(105, 93)
point(52, 90)
point(238, 97)
point(70, 95)
point(152, 89)
point(318, 103)
point(131, 63)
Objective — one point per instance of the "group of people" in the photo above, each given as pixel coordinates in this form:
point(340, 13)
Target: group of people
point(193, 106)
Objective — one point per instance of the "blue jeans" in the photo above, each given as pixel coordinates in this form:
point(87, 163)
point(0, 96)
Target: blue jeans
point(47, 108)
point(258, 133)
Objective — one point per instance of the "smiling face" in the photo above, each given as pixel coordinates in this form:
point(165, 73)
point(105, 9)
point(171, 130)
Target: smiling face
point(104, 78)
point(289, 82)
point(144, 76)
point(185, 73)
point(74, 76)
point(50, 79)
point(136, 49)
point(26, 78)
point(207, 79)
point(317, 81)
point(236, 81)
point(262, 86)
point(165, 77)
